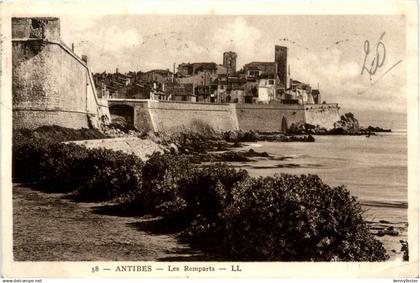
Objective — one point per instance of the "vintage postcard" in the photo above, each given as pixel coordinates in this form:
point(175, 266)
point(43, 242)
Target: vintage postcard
point(209, 139)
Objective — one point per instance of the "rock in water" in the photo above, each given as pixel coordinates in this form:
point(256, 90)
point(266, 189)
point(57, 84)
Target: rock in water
point(348, 123)
point(311, 138)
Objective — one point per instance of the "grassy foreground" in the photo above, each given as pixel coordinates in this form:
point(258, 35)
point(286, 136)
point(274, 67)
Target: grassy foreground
point(217, 208)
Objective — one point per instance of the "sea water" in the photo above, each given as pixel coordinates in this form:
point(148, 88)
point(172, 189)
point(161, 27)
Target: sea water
point(373, 169)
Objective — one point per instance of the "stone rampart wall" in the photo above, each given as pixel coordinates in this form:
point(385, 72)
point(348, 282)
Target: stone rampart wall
point(268, 118)
point(324, 115)
point(169, 116)
point(50, 85)
point(47, 83)
point(177, 116)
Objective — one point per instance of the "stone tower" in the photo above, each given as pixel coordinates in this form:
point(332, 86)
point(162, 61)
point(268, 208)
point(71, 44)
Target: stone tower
point(51, 85)
point(229, 61)
point(280, 58)
point(46, 28)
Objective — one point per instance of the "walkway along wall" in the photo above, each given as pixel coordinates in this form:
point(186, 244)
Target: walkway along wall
point(169, 116)
point(51, 84)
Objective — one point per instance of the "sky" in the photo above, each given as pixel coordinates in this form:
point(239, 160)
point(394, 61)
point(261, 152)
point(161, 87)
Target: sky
point(324, 50)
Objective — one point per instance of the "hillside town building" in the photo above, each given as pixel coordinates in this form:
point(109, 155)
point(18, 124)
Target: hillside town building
point(255, 83)
point(52, 85)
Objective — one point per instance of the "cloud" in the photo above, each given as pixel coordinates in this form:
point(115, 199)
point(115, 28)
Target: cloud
point(341, 81)
point(106, 45)
point(237, 35)
point(109, 40)
point(144, 43)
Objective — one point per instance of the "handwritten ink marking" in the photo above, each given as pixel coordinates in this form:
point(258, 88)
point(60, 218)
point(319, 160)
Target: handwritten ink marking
point(374, 83)
point(376, 62)
point(378, 59)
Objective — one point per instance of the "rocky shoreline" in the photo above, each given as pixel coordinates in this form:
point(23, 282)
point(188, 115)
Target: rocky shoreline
point(348, 125)
point(210, 147)
point(204, 144)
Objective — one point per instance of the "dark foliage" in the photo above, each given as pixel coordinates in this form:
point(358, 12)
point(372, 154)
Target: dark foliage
point(297, 218)
point(58, 166)
point(161, 176)
point(404, 249)
point(29, 147)
point(207, 192)
point(54, 134)
point(26, 159)
point(121, 124)
point(110, 174)
point(96, 174)
point(284, 217)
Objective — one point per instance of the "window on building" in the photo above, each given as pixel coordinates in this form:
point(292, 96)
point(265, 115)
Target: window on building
point(248, 99)
point(270, 82)
point(254, 91)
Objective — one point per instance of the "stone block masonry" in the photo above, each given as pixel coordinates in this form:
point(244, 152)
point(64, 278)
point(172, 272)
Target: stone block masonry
point(42, 84)
point(268, 118)
point(169, 116)
point(177, 116)
point(51, 85)
point(323, 115)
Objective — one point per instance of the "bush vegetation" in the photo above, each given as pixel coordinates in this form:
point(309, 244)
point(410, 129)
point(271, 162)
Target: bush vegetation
point(30, 146)
point(296, 218)
point(54, 134)
point(285, 217)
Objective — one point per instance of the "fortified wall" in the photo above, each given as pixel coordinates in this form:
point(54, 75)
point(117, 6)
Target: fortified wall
point(51, 84)
point(268, 118)
point(324, 115)
point(169, 116)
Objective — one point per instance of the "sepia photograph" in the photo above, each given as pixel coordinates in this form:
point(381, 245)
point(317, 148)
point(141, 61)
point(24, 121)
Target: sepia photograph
point(198, 138)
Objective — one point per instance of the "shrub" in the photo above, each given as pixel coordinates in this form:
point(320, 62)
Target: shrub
point(174, 188)
point(62, 166)
point(296, 218)
point(405, 250)
point(203, 129)
point(121, 123)
point(160, 191)
point(29, 147)
point(280, 218)
point(26, 158)
point(96, 174)
point(207, 192)
point(110, 174)
point(54, 134)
